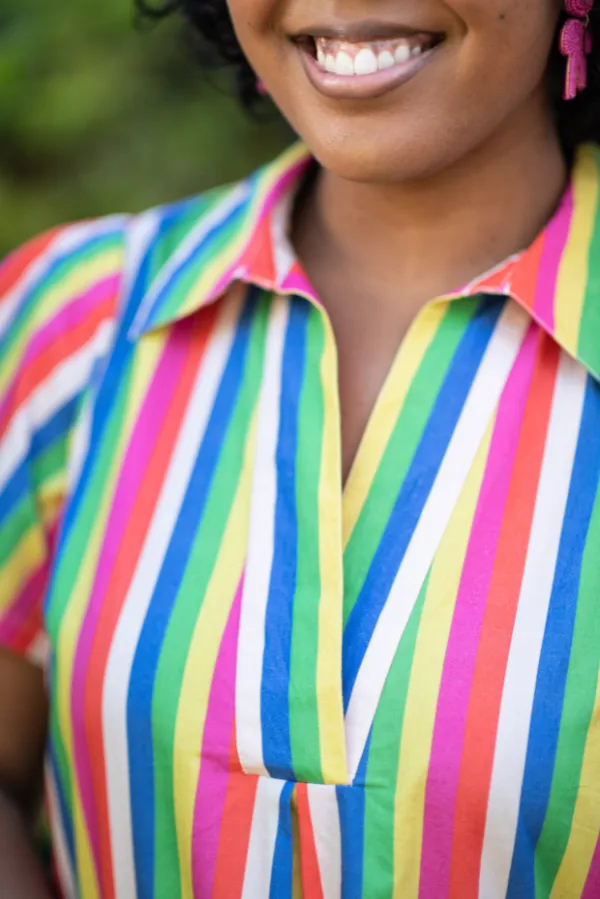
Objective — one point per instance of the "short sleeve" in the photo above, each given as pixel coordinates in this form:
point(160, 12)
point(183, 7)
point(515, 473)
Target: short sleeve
point(59, 296)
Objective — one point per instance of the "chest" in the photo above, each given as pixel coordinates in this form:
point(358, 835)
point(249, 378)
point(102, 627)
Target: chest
point(432, 633)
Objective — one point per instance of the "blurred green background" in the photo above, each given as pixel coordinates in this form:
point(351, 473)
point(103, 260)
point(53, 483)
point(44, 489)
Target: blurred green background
point(100, 116)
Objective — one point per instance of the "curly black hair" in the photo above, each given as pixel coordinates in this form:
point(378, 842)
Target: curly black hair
point(578, 120)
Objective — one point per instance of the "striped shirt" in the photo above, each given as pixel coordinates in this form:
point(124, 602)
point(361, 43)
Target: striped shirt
point(264, 686)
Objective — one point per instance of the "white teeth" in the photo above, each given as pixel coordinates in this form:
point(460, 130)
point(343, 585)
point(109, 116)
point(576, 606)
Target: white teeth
point(402, 53)
point(344, 64)
point(385, 60)
point(346, 59)
point(365, 62)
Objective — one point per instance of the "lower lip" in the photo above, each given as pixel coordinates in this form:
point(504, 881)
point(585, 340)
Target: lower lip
point(362, 87)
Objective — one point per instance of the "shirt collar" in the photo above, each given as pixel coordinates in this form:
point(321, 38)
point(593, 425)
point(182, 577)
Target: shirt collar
point(241, 235)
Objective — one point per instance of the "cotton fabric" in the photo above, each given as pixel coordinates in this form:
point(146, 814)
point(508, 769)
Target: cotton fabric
point(263, 685)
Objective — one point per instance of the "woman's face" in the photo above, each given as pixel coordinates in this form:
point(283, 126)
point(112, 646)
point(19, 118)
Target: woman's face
point(433, 80)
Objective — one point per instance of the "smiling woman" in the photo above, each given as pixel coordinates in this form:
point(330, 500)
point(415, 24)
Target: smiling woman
point(300, 481)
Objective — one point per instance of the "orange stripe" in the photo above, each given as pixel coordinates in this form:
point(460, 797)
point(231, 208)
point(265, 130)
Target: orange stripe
point(496, 633)
point(309, 861)
point(120, 578)
point(526, 274)
point(234, 837)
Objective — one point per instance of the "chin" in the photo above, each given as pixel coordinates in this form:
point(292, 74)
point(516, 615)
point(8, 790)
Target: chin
point(362, 155)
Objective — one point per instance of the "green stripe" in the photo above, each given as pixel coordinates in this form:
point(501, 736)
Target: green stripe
point(169, 241)
point(589, 345)
point(190, 597)
point(221, 240)
point(23, 517)
point(304, 718)
point(578, 709)
point(402, 446)
point(384, 754)
point(68, 565)
point(51, 462)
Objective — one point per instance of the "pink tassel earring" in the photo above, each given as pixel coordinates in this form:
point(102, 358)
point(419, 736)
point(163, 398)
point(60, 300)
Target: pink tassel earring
point(576, 44)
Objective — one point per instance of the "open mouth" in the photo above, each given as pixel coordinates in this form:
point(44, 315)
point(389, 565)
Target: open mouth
point(364, 61)
point(352, 59)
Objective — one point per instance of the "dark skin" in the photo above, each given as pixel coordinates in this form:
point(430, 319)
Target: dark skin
point(423, 188)
point(419, 191)
point(23, 715)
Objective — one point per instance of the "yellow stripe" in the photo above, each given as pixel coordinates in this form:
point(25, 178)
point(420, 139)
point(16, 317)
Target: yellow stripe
point(385, 414)
point(80, 279)
point(585, 827)
point(421, 703)
point(27, 557)
point(573, 272)
point(201, 661)
point(330, 707)
point(70, 626)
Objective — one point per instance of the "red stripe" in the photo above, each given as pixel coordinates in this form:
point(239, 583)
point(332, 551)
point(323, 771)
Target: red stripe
point(140, 515)
point(15, 265)
point(234, 838)
point(309, 861)
point(494, 644)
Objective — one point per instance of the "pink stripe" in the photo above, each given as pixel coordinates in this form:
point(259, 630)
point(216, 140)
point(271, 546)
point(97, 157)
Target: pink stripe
point(27, 604)
point(555, 241)
point(592, 884)
point(156, 404)
point(214, 771)
point(69, 317)
point(72, 314)
point(257, 214)
point(453, 701)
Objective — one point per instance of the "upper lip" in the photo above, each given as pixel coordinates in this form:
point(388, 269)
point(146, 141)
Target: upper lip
point(358, 32)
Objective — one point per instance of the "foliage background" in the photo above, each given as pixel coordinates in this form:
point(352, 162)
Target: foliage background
point(100, 116)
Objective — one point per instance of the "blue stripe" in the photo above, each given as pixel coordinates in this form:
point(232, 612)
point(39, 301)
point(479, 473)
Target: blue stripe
point(17, 489)
point(139, 704)
point(283, 856)
point(20, 485)
point(109, 378)
point(202, 250)
point(351, 808)
point(415, 490)
point(556, 650)
point(56, 428)
point(275, 715)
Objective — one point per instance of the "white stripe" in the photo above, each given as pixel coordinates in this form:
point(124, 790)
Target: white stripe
point(261, 847)
point(140, 235)
point(528, 634)
point(135, 607)
point(60, 853)
point(324, 813)
point(65, 382)
point(481, 402)
point(283, 252)
point(255, 593)
point(69, 241)
point(185, 250)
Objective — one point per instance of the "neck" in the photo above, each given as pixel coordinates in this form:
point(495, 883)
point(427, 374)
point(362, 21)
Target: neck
point(441, 232)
